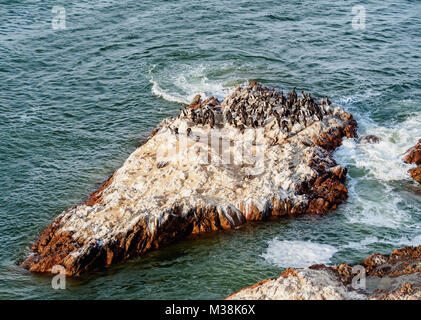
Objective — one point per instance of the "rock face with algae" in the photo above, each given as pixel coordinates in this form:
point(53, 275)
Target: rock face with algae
point(216, 166)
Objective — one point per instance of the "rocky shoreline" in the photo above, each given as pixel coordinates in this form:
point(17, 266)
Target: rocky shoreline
point(379, 277)
point(254, 155)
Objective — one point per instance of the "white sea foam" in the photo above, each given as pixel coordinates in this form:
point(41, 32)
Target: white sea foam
point(363, 243)
point(382, 160)
point(298, 254)
point(377, 208)
point(373, 198)
point(397, 242)
point(181, 85)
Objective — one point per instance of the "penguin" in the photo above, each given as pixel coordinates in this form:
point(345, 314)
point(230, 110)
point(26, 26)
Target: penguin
point(249, 121)
point(278, 122)
point(211, 120)
point(285, 126)
point(204, 118)
point(328, 103)
point(282, 98)
point(302, 118)
point(320, 115)
point(188, 131)
point(193, 116)
point(228, 117)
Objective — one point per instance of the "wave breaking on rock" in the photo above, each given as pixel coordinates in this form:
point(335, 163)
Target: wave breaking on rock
point(254, 155)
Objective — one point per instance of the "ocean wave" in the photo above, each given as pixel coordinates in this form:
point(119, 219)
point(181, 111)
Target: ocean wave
point(382, 160)
point(368, 241)
point(183, 83)
point(298, 254)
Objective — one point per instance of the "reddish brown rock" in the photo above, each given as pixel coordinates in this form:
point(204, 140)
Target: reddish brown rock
point(416, 173)
point(196, 103)
point(413, 156)
point(96, 196)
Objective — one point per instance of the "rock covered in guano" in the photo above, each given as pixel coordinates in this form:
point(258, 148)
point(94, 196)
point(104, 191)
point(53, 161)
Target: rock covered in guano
point(379, 277)
point(258, 153)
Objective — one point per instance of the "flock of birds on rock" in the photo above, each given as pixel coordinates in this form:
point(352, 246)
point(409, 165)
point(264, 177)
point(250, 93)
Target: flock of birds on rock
point(254, 106)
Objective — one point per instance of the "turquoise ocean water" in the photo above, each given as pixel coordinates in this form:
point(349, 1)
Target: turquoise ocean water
point(74, 103)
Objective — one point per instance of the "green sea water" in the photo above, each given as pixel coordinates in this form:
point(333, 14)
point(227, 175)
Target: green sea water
point(74, 103)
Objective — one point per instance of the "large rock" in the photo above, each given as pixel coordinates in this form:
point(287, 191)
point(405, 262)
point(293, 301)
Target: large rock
point(244, 162)
point(413, 156)
point(387, 277)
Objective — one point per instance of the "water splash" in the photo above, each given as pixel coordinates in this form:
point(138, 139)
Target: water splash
point(298, 254)
point(377, 172)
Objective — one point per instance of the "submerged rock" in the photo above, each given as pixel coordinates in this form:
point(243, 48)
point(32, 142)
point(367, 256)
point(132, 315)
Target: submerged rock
point(370, 139)
point(216, 166)
point(413, 156)
point(379, 277)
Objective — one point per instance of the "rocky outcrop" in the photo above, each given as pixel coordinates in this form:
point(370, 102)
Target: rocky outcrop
point(216, 166)
point(379, 277)
point(413, 156)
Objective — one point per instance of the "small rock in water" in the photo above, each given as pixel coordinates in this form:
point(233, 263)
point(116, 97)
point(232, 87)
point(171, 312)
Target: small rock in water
point(370, 139)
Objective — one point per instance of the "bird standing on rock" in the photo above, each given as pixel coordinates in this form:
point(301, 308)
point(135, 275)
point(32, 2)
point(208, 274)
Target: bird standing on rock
point(303, 96)
point(228, 117)
point(211, 119)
